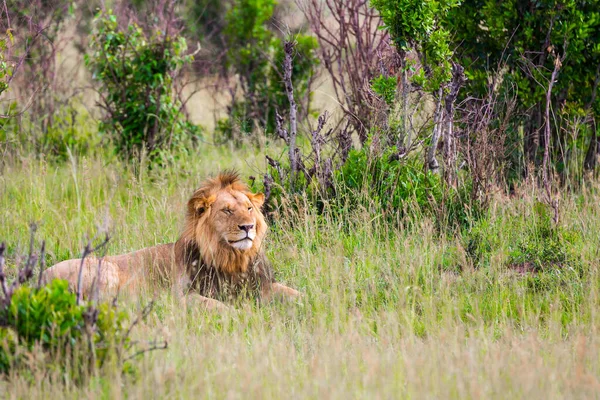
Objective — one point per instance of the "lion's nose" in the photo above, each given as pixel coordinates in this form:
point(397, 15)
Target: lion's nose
point(246, 228)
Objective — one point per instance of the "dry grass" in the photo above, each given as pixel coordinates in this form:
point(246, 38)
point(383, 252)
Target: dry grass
point(381, 319)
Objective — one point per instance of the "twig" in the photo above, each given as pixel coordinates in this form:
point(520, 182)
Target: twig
point(162, 346)
point(42, 263)
point(288, 48)
point(2, 274)
point(86, 252)
point(145, 312)
point(545, 167)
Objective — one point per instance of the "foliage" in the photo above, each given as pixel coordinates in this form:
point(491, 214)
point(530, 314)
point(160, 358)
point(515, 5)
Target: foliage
point(5, 70)
point(50, 317)
point(403, 187)
point(479, 241)
point(385, 88)
point(256, 55)
point(417, 25)
point(136, 76)
point(72, 132)
point(521, 40)
point(544, 246)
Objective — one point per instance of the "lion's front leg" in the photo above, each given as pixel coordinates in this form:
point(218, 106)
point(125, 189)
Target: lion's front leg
point(206, 302)
point(279, 291)
point(182, 292)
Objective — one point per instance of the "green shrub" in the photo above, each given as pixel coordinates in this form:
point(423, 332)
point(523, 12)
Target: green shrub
point(46, 325)
point(385, 88)
point(544, 246)
point(136, 75)
point(49, 317)
point(256, 55)
point(72, 132)
point(403, 187)
point(480, 241)
point(416, 25)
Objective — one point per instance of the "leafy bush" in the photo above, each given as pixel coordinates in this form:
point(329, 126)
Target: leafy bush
point(72, 131)
point(513, 34)
point(544, 246)
point(50, 317)
point(136, 76)
point(416, 25)
point(385, 88)
point(48, 324)
point(403, 187)
point(256, 55)
point(480, 241)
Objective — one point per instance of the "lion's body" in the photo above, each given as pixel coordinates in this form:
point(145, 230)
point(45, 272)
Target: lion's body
point(122, 273)
point(219, 254)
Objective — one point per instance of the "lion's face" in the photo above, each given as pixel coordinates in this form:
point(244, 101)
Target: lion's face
point(233, 218)
point(225, 223)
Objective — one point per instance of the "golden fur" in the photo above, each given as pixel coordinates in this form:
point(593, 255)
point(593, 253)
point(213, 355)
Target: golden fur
point(202, 218)
point(220, 249)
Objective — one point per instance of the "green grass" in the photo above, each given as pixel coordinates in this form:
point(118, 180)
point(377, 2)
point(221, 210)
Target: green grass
point(390, 312)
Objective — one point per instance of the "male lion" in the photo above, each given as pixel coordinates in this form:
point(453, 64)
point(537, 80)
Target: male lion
point(218, 256)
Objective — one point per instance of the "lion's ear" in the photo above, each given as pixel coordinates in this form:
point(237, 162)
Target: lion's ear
point(258, 199)
point(199, 205)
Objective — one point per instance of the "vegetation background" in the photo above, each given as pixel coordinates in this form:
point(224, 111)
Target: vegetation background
point(431, 173)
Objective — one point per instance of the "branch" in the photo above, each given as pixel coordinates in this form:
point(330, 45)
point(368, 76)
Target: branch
point(2, 274)
point(557, 65)
point(155, 346)
point(86, 252)
point(288, 48)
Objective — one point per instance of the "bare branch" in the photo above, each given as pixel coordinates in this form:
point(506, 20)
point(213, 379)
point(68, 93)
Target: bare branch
point(86, 252)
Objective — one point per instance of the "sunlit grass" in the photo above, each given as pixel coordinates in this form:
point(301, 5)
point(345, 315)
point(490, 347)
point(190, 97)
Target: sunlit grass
point(389, 311)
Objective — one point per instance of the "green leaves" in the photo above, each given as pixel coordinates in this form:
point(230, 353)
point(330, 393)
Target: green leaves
point(385, 88)
point(136, 75)
point(417, 25)
point(5, 69)
point(256, 55)
point(50, 317)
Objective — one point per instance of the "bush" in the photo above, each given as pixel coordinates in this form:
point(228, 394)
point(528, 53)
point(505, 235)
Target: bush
point(402, 187)
point(136, 76)
point(385, 88)
point(256, 55)
point(544, 246)
point(47, 324)
point(71, 132)
point(49, 317)
point(480, 241)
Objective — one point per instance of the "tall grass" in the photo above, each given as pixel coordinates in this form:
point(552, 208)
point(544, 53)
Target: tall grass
point(389, 312)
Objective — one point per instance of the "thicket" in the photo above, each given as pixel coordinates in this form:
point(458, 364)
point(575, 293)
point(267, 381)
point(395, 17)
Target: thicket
point(46, 326)
point(136, 74)
point(255, 54)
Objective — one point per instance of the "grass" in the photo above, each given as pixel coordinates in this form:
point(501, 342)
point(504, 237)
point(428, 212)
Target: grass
point(386, 314)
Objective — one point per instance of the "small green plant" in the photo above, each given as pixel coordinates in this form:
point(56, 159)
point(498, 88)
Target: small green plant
point(136, 76)
point(480, 240)
point(385, 88)
point(544, 246)
point(402, 187)
point(391, 183)
point(50, 317)
point(47, 322)
point(73, 131)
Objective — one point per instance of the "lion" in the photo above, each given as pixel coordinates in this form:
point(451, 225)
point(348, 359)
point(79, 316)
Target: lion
point(218, 257)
